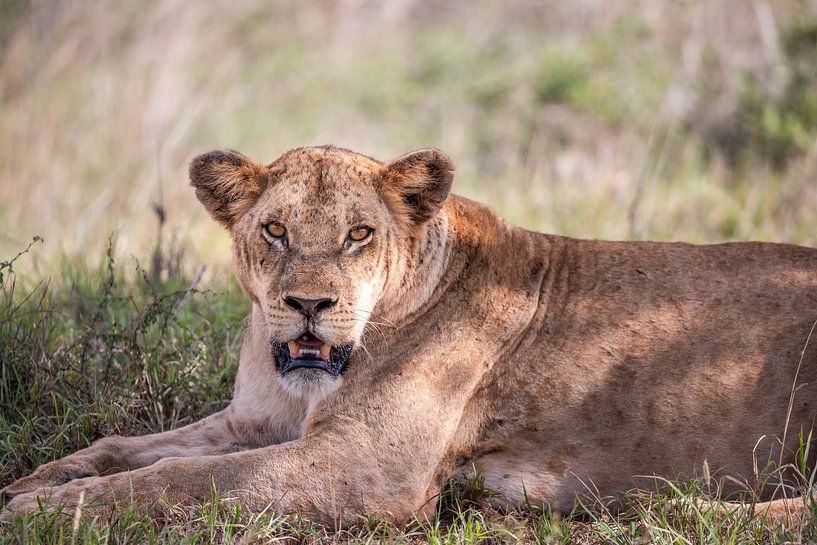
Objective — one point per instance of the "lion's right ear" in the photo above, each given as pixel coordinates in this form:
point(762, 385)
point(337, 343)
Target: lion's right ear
point(416, 184)
point(227, 183)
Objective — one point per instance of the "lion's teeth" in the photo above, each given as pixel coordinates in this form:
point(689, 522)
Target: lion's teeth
point(298, 350)
point(293, 348)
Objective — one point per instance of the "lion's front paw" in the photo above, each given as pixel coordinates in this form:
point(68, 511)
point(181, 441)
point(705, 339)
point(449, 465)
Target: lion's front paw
point(48, 475)
point(20, 505)
point(64, 499)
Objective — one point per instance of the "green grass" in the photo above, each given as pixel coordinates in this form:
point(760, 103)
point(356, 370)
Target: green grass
point(112, 348)
point(84, 357)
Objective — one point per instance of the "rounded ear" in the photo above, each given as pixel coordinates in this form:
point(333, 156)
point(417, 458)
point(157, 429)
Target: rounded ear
point(417, 183)
point(227, 183)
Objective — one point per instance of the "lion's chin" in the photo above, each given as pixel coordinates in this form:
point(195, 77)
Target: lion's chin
point(308, 382)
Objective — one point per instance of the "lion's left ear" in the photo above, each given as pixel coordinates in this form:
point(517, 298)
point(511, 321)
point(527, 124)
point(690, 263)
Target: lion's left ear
point(417, 183)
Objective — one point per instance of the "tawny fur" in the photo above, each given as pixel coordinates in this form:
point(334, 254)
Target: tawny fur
point(555, 367)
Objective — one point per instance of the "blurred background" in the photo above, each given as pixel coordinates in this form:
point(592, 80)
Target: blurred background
point(620, 119)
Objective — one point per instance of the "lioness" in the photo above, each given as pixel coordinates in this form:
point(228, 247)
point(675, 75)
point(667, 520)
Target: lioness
point(400, 335)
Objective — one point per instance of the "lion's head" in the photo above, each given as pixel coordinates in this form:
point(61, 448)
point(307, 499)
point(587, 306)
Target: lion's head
point(321, 238)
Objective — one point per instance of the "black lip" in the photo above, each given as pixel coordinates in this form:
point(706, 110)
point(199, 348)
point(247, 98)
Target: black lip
point(338, 356)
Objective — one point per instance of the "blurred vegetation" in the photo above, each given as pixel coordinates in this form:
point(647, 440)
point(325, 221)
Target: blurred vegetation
point(784, 127)
point(622, 119)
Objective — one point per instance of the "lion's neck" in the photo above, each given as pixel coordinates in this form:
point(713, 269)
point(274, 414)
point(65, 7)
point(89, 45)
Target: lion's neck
point(416, 273)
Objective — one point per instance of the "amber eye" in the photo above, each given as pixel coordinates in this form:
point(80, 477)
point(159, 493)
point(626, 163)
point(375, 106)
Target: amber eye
point(275, 231)
point(360, 233)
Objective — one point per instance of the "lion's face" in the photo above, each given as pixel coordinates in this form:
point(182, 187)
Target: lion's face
point(316, 235)
point(313, 252)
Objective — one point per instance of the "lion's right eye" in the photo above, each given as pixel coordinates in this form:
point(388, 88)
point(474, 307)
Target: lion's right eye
point(274, 232)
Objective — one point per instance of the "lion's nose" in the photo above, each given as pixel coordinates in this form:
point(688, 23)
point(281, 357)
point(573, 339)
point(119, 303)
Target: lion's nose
point(309, 307)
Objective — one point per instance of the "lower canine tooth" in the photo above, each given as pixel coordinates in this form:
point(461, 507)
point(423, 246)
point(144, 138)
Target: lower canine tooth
point(293, 348)
point(325, 348)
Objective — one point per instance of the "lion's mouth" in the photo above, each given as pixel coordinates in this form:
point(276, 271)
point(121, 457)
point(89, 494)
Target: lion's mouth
point(310, 352)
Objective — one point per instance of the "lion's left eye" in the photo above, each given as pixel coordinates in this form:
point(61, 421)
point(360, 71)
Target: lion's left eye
point(359, 234)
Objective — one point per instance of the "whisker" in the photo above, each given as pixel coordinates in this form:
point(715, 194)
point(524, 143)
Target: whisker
point(388, 323)
point(373, 327)
point(368, 354)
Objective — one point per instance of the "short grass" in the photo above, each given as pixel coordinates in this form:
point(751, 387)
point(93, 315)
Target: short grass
point(113, 347)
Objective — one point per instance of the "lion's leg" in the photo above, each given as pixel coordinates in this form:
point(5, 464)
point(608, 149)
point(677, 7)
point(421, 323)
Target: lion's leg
point(331, 477)
point(790, 509)
point(345, 464)
point(786, 509)
point(212, 435)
